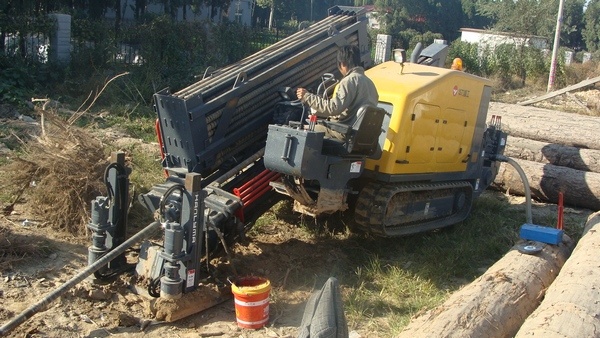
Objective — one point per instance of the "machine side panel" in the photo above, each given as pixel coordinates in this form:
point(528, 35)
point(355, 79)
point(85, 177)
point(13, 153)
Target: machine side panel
point(478, 171)
point(435, 115)
point(181, 138)
point(295, 152)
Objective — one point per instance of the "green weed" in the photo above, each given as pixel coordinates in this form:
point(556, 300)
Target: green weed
point(394, 278)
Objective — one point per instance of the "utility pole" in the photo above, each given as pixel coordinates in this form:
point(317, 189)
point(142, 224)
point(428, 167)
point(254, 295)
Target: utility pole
point(555, 47)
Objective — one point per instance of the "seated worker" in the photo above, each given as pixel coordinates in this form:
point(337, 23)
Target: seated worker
point(353, 91)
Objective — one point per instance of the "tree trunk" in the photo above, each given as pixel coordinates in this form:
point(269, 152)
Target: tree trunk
point(547, 153)
point(497, 303)
point(140, 9)
point(272, 14)
point(548, 125)
point(580, 189)
point(118, 17)
point(570, 307)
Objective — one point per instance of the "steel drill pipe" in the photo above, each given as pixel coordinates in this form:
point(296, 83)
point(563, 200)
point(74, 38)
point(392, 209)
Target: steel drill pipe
point(212, 86)
point(261, 98)
point(325, 60)
point(275, 71)
point(258, 135)
point(269, 55)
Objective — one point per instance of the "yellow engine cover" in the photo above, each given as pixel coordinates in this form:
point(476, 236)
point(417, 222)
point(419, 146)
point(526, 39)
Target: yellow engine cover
point(435, 112)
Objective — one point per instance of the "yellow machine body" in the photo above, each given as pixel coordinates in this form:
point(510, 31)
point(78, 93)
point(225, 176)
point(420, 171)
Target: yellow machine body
point(433, 118)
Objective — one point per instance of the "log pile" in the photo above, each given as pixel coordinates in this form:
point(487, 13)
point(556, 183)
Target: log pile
point(496, 303)
point(571, 307)
point(525, 295)
point(559, 152)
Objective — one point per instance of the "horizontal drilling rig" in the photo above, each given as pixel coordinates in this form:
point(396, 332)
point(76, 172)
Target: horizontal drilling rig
point(237, 140)
point(212, 136)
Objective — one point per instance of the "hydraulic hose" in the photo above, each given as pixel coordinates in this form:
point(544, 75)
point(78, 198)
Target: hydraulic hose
point(518, 168)
point(44, 302)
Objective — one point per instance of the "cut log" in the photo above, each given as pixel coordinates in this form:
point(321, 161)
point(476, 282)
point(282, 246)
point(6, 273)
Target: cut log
point(581, 189)
point(571, 307)
point(550, 126)
point(547, 153)
point(497, 303)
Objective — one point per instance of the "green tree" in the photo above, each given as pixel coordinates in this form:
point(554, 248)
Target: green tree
point(573, 24)
point(529, 17)
point(441, 16)
point(446, 17)
point(591, 32)
point(272, 5)
point(472, 16)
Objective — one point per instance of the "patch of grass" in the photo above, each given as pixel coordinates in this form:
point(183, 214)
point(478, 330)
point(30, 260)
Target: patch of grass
point(266, 219)
point(280, 212)
point(395, 278)
point(140, 127)
point(388, 291)
point(5, 198)
point(146, 170)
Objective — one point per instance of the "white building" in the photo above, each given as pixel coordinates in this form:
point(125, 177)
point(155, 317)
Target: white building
point(492, 39)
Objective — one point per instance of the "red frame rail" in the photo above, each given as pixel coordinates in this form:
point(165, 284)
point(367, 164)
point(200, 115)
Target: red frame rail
point(252, 190)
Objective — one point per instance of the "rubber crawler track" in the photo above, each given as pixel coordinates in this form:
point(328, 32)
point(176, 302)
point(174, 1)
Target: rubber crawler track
point(375, 198)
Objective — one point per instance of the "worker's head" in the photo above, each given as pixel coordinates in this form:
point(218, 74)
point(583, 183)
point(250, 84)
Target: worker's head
point(348, 57)
point(457, 64)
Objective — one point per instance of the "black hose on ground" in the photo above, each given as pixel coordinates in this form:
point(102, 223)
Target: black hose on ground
point(41, 305)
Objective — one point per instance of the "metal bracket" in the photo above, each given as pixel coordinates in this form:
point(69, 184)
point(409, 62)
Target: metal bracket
point(242, 77)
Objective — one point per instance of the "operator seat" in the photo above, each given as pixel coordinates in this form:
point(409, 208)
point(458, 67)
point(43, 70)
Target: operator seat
point(360, 138)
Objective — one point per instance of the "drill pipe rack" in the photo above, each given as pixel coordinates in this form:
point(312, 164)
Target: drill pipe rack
point(226, 114)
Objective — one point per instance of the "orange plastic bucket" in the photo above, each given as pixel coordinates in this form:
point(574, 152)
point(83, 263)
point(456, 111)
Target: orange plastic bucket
point(251, 295)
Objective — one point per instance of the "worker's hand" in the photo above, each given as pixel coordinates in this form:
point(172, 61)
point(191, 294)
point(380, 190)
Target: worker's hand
point(300, 92)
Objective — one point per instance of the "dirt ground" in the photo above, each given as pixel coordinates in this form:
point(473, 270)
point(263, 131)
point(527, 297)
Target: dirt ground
point(285, 253)
point(282, 252)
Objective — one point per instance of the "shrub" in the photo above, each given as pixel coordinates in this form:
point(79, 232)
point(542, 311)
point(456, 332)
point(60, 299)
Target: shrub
point(468, 53)
point(577, 72)
point(510, 66)
point(93, 45)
